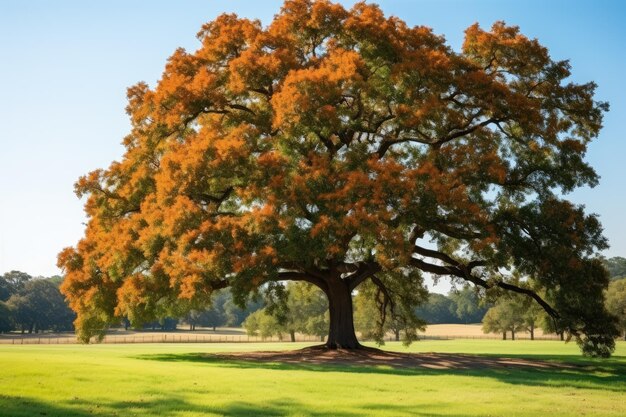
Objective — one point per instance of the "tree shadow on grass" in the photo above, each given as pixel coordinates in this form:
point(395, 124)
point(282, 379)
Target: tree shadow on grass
point(549, 371)
point(17, 406)
point(170, 405)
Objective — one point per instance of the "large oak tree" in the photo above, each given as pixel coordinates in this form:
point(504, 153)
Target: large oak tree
point(340, 146)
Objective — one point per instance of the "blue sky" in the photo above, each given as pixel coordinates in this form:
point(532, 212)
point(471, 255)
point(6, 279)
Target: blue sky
point(65, 67)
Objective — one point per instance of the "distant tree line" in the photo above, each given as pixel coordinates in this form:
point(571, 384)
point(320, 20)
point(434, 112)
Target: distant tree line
point(616, 267)
point(33, 305)
point(222, 312)
point(460, 306)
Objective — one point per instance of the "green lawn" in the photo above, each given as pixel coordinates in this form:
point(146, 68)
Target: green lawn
point(178, 380)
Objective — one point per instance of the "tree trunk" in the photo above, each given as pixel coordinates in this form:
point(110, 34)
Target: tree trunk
point(504, 335)
point(341, 333)
point(512, 334)
point(397, 334)
point(562, 336)
point(292, 334)
point(532, 331)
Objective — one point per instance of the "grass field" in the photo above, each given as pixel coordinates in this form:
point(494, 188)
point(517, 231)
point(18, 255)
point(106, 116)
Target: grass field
point(180, 380)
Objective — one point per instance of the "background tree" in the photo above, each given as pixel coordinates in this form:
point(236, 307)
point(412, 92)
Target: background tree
point(533, 318)
point(303, 310)
point(12, 282)
point(468, 305)
point(616, 302)
point(61, 316)
point(505, 316)
point(375, 314)
point(235, 314)
point(513, 313)
point(616, 267)
point(5, 318)
point(549, 325)
point(215, 314)
point(39, 306)
point(193, 319)
point(438, 309)
point(308, 310)
point(211, 317)
point(261, 323)
point(334, 145)
point(5, 290)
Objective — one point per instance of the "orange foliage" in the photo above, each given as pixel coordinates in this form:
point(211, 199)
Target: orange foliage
point(322, 139)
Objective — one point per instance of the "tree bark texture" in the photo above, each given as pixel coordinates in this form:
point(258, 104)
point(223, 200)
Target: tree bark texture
point(341, 333)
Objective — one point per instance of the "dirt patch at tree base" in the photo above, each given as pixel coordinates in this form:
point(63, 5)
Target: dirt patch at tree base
point(366, 356)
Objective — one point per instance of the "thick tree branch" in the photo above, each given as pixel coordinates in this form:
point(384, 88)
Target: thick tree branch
point(365, 270)
point(426, 140)
point(465, 272)
point(302, 276)
point(467, 131)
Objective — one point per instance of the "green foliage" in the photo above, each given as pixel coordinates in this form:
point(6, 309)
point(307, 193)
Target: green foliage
point(40, 306)
point(216, 313)
point(517, 312)
point(12, 282)
point(390, 307)
point(5, 291)
point(438, 309)
point(300, 308)
point(501, 318)
point(308, 309)
point(468, 305)
point(616, 302)
point(616, 267)
point(5, 318)
point(261, 323)
point(234, 314)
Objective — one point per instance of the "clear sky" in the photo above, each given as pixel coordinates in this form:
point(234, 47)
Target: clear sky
point(65, 67)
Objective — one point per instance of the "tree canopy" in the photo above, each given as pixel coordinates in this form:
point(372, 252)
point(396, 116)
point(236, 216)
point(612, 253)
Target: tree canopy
point(334, 145)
